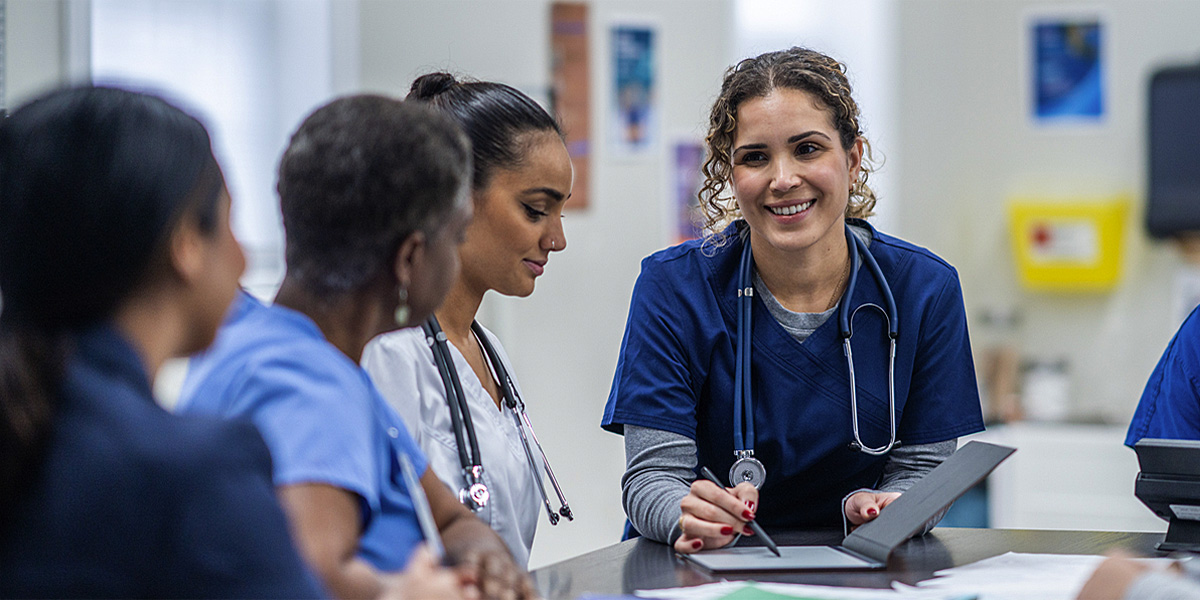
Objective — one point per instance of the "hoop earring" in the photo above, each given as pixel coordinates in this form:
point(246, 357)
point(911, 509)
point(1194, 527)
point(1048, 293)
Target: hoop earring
point(402, 310)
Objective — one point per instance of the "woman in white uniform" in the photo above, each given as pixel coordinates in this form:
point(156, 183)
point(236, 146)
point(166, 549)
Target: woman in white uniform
point(522, 176)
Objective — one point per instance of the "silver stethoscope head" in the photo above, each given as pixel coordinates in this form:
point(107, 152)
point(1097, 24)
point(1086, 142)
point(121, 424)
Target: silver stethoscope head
point(747, 469)
point(475, 494)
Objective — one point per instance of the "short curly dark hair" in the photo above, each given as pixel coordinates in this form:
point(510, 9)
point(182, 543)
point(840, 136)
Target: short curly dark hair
point(360, 175)
point(795, 68)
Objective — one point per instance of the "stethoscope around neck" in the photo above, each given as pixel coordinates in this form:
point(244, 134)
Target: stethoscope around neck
point(748, 468)
point(475, 495)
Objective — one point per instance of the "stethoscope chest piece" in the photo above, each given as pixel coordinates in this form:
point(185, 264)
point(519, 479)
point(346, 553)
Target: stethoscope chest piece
point(475, 495)
point(747, 469)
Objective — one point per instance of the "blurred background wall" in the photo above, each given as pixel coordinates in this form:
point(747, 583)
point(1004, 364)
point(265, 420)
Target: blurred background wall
point(944, 88)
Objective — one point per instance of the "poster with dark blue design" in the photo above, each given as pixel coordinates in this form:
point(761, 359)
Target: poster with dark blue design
point(633, 118)
point(1068, 69)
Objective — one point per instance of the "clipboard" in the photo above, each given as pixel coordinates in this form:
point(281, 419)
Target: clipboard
point(869, 546)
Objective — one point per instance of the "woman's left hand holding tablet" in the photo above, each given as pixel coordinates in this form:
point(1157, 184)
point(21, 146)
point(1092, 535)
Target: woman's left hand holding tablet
point(865, 506)
point(713, 516)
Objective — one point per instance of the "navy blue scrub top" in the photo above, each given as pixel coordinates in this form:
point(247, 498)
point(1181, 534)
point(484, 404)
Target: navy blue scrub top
point(676, 367)
point(131, 501)
point(1170, 404)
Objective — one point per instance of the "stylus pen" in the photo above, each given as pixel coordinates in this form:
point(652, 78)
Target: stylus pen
point(421, 506)
point(754, 526)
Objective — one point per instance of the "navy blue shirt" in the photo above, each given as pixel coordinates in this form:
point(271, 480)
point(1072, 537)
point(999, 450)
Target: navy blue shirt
point(675, 373)
point(131, 500)
point(1170, 404)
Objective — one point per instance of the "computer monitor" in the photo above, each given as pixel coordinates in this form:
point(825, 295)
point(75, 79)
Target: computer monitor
point(1173, 200)
point(1169, 484)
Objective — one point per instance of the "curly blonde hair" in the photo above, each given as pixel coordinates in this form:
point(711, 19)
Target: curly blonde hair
point(795, 68)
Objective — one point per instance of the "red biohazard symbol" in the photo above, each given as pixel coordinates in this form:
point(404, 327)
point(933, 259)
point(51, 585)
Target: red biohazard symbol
point(1041, 235)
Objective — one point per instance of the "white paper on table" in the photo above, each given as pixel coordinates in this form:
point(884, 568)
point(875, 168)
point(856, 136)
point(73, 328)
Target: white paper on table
point(715, 591)
point(1018, 576)
point(1011, 576)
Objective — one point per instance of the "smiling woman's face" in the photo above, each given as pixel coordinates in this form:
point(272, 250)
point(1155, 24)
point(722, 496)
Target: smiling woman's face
point(518, 219)
point(791, 176)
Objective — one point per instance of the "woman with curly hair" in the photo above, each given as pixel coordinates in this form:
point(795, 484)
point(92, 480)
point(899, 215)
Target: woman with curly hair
point(788, 263)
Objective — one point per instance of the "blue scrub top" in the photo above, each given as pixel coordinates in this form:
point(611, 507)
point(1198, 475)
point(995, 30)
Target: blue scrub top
point(319, 413)
point(676, 373)
point(1170, 404)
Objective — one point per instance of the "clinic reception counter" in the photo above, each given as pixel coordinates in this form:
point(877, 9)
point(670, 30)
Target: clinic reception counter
point(642, 564)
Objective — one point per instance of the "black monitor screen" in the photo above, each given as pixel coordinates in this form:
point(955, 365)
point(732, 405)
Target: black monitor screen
point(1174, 199)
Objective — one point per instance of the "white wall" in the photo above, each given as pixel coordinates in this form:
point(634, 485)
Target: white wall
point(564, 339)
point(967, 147)
point(865, 44)
point(34, 59)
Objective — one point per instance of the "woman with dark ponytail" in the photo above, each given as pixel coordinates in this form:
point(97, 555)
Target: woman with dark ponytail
point(521, 180)
point(115, 255)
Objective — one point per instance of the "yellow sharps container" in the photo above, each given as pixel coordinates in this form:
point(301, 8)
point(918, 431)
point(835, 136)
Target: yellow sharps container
point(1069, 245)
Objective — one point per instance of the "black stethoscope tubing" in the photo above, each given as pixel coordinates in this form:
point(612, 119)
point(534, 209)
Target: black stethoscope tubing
point(476, 495)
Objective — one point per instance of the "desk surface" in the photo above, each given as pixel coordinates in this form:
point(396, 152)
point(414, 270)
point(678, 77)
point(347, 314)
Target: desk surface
point(642, 564)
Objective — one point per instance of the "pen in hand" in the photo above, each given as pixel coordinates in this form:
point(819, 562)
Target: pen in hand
point(754, 526)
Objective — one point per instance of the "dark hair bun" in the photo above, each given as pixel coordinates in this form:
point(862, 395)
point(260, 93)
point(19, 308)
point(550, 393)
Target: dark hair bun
point(430, 85)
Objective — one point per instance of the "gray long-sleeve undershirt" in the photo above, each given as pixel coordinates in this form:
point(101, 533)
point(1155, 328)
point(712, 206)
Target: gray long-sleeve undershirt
point(660, 465)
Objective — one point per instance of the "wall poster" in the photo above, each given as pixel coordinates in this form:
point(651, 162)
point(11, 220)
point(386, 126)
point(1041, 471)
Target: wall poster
point(633, 110)
point(570, 91)
point(1067, 68)
point(686, 181)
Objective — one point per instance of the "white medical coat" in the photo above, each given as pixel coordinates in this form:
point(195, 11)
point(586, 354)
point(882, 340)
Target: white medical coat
point(401, 365)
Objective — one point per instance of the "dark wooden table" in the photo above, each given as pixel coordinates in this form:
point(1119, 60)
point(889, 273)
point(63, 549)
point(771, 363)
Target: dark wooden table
point(642, 564)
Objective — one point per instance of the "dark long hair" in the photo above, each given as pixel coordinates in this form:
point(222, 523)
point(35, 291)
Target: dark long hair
point(493, 115)
point(92, 182)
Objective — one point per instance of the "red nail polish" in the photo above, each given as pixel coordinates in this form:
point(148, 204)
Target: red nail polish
point(872, 512)
point(726, 530)
point(747, 531)
point(747, 514)
point(750, 505)
point(698, 544)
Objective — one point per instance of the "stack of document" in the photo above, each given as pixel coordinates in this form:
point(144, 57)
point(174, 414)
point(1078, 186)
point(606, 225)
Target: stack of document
point(744, 590)
point(1011, 576)
point(1018, 576)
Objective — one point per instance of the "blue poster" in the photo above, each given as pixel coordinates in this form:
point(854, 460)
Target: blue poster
point(633, 121)
point(1068, 70)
